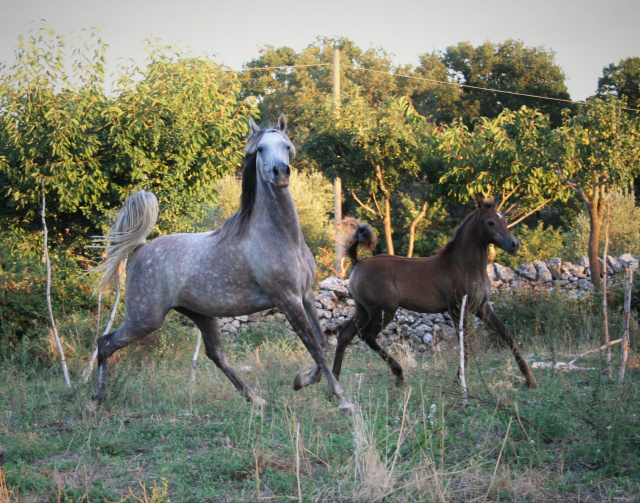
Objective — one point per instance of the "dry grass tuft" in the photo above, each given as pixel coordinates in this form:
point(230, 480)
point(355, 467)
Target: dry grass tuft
point(6, 495)
point(374, 477)
point(504, 380)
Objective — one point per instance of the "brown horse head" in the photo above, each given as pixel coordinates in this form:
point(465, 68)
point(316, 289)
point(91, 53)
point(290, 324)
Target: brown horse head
point(492, 226)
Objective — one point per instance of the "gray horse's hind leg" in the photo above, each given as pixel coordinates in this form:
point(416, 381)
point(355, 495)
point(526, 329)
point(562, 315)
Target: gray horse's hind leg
point(307, 377)
point(213, 346)
point(111, 342)
point(486, 314)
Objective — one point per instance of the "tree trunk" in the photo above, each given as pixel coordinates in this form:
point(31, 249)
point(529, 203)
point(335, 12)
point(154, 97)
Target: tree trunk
point(596, 209)
point(386, 219)
point(493, 253)
point(412, 228)
point(387, 226)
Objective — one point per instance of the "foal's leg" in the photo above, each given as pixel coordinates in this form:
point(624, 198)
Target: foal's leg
point(307, 377)
point(108, 344)
point(293, 308)
point(345, 336)
point(212, 338)
point(379, 320)
point(489, 317)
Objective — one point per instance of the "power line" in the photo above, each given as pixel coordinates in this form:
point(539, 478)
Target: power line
point(283, 67)
point(467, 85)
point(434, 81)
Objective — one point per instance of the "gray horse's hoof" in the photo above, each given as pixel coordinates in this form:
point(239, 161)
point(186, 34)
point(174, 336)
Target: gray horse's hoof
point(347, 407)
point(91, 409)
point(299, 381)
point(260, 403)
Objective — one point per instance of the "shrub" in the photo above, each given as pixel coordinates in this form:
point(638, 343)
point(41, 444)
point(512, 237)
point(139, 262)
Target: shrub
point(549, 319)
point(23, 308)
point(536, 243)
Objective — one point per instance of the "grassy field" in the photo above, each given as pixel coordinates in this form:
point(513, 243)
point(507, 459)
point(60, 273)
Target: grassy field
point(163, 436)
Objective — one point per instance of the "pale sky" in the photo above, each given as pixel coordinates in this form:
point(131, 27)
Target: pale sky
point(585, 35)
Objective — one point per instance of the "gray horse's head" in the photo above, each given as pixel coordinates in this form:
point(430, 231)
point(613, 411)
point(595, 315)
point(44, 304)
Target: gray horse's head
point(273, 150)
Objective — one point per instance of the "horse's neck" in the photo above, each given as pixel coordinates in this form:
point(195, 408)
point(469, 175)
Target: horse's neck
point(473, 251)
point(276, 210)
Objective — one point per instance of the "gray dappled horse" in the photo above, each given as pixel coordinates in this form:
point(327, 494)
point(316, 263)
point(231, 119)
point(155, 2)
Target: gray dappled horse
point(381, 284)
point(257, 260)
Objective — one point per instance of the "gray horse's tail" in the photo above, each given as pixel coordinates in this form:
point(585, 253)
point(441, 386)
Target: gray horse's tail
point(363, 236)
point(134, 223)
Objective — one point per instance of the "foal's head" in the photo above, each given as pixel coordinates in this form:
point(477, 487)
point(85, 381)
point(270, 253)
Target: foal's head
point(492, 226)
point(273, 149)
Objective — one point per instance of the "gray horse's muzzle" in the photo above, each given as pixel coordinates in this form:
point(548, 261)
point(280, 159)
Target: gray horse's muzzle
point(281, 173)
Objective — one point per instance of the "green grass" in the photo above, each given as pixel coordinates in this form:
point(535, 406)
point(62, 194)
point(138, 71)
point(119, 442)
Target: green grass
point(161, 436)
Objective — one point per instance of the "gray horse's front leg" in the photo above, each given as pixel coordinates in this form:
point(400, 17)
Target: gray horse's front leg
point(312, 376)
point(212, 338)
point(294, 310)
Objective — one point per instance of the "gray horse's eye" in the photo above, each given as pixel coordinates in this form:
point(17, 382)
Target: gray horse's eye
point(260, 149)
point(490, 223)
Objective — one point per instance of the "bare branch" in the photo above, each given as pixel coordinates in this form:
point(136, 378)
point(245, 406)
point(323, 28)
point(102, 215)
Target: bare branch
point(54, 329)
point(364, 206)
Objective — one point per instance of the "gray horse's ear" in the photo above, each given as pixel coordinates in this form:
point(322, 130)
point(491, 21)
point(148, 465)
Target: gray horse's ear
point(480, 201)
point(253, 127)
point(282, 123)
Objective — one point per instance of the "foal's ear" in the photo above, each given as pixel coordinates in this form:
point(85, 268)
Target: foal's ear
point(253, 127)
point(480, 201)
point(483, 201)
point(282, 123)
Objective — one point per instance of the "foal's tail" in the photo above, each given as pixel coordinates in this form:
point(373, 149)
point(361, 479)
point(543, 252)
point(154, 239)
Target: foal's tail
point(134, 223)
point(363, 236)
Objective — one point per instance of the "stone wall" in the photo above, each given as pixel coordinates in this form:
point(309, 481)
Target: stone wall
point(335, 306)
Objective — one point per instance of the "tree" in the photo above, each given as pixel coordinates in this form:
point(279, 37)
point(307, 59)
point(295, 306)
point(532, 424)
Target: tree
point(501, 157)
point(176, 127)
point(374, 149)
point(51, 131)
point(622, 81)
point(173, 127)
point(509, 66)
point(291, 90)
point(431, 90)
point(596, 153)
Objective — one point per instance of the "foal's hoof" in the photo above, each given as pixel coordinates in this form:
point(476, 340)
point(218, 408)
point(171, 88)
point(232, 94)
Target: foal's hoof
point(532, 383)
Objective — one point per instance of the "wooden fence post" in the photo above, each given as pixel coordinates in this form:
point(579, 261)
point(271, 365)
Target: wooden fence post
point(461, 373)
point(630, 265)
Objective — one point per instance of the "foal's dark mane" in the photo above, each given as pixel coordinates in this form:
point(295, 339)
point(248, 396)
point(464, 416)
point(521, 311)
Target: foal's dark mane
point(450, 246)
point(236, 223)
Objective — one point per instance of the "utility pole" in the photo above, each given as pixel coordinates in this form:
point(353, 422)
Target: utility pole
point(337, 182)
